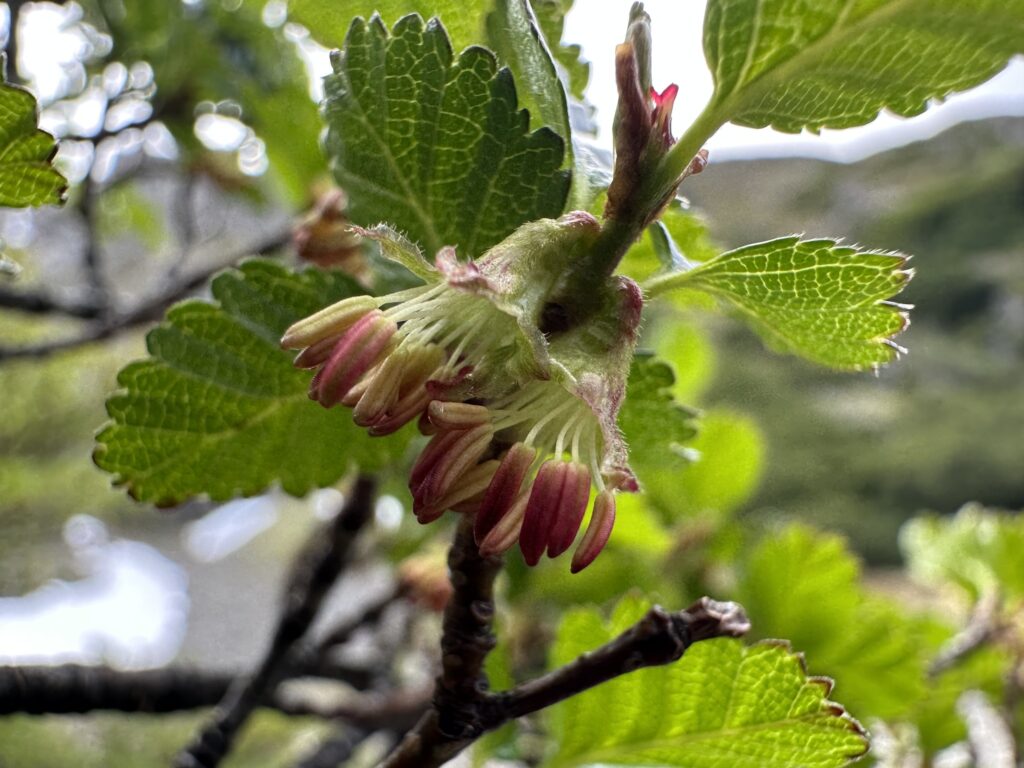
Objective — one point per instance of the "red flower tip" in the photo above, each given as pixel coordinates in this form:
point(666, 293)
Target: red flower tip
point(666, 98)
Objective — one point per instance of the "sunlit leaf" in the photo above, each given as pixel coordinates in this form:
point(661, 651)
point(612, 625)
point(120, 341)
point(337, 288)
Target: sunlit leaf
point(815, 298)
point(27, 175)
point(722, 704)
point(218, 408)
point(837, 63)
point(977, 549)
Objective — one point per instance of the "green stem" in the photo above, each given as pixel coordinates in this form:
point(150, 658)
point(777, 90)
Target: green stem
point(617, 235)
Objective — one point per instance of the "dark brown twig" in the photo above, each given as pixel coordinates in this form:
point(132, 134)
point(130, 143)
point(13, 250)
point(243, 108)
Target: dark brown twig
point(78, 689)
point(314, 572)
point(463, 709)
point(149, 310)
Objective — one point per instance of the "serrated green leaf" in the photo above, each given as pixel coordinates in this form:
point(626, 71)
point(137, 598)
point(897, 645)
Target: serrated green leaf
point(514, 34)
point(654, 424)
point(434, 144)
point(327, 21)
point(522, 50)
point(218, 409)
point(838, 63)
point(978, 550)
point(814, 298)
point(551, 15)
point(27, 175)
point(805, 585)
point(723, 705)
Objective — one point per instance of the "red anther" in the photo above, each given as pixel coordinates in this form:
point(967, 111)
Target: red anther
point(542, 508)
point(356, 352)
point(573, 507)
point(503, 489)
point(601, 523)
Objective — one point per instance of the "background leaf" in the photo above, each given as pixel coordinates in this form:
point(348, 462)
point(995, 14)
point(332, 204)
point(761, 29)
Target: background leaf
point(978, 550)
point(434, 144)
point(514, 34)
point(27, 176)
point(655, 426)
point(814, 298)
point(218, 409)
point(721, 704)
point(837, 63)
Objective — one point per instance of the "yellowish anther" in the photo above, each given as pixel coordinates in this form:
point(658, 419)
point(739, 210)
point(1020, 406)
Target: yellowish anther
point(330, 321)
point(457, 415)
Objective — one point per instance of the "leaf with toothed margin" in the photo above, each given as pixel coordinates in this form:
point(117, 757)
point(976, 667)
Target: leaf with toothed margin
point(814, 298)
point(723, 705)
point(434, 143)
point(795, 64)
point(218, 409)
point(27, 175)
point(655, 426)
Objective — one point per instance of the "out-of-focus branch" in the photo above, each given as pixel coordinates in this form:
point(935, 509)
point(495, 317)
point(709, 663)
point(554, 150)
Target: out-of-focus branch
point(79, 689)
point(74, 688)
point(314, 571)
point(149, 310)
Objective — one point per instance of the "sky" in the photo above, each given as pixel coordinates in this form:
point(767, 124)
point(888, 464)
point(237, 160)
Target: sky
point(597, 25)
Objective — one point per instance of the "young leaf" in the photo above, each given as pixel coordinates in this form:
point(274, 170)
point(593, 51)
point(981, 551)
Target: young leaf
point(218, 409)
point(805, 585)
point(838, 63)
point(434, 144)
point(722, 704)
point(654, 424)
point(327, 21)
point(27, 175)
point(814, 298)
point(515, 35)
point(551, 16)
point(977, 549)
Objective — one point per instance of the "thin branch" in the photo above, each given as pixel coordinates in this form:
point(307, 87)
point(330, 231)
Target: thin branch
point(75, 689)
point(463, 710)
point(35, 303)
point(658, 638)
point(466, 640)
point(335, 750)
point(315, 570)
point(149, 310)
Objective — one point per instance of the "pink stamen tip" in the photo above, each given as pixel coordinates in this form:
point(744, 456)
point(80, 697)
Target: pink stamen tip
point(503, 490)
point(439, 444)
point(600, 529)
point(357, 351)
point(571, 510)
point(542, 509)
point(505, 533)
point(451, 465)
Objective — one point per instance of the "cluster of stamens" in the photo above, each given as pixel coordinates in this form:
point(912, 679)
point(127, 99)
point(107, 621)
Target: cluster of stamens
point(523, 463)
point(387, 357)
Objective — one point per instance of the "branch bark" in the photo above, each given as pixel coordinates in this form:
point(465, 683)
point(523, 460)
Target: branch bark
point(314, 572)
point(463, 709)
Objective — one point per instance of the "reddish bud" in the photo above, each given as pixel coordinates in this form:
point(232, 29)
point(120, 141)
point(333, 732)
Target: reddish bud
point(504, 534)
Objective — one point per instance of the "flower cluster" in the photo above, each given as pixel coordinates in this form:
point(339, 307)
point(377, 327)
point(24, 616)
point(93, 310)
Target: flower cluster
point(519, 438)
